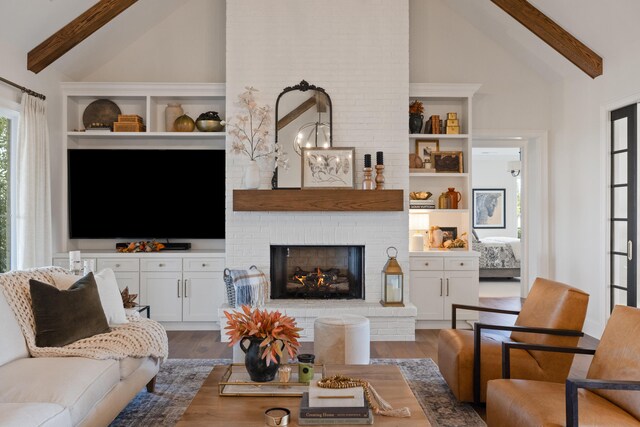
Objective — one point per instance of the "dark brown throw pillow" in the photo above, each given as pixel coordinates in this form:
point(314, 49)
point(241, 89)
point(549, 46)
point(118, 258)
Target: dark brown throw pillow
point(63, 317)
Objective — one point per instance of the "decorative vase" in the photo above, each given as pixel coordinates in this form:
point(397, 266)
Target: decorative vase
point(454, 198)
point(171, 113)
point(415, 123)
point(252, 176)
point(257, 366)
point(184, 123)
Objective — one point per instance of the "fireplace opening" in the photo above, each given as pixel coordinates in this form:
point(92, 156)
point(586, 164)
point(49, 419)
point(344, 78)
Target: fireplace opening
point(317, 272)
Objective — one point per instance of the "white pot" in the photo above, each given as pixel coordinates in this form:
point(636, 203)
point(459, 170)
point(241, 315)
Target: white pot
point(252, 176)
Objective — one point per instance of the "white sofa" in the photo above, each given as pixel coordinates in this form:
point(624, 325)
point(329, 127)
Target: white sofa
point(63, 391)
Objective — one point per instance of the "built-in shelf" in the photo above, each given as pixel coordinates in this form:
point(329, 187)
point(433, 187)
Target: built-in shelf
point(438, 210)
point(154, 135)
point(438, 135)
point(439, 175)
point(318, 200)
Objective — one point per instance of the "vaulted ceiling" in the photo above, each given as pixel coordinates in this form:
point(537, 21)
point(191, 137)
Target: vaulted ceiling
point(603, 26)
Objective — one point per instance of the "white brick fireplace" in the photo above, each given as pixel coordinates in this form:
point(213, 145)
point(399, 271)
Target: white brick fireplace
point(357, 50)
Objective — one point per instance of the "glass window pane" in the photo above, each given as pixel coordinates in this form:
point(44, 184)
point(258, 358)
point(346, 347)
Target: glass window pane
point(620, 134)
point(620, 236)
point(620, 270)
point(619, 297)
point(619, 202)
point(620, 168)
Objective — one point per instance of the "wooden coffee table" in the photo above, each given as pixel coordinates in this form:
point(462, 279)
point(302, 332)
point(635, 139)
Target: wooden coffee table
point(210, 409)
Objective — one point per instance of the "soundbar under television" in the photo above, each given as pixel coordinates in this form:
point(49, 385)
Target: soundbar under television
point(146, 194)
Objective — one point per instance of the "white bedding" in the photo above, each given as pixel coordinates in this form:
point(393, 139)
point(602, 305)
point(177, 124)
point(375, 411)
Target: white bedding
point(512, 241)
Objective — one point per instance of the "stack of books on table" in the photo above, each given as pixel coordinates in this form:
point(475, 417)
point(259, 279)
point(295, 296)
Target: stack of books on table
point(422, 204)
point(322, 406)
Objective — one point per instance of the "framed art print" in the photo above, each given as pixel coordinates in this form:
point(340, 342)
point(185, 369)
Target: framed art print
point(331, 167)
point(489, 208)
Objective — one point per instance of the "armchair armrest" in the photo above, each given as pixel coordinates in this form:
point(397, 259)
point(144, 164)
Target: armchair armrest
point(477, 335)
point(455, 307)
point(507, 346)
point(571, 393)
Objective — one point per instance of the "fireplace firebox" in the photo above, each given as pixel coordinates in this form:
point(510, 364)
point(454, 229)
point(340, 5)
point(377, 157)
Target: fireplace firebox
point(317, 272)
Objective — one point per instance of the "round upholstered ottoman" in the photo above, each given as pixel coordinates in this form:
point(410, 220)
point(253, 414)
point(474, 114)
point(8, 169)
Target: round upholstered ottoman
point(342, 339)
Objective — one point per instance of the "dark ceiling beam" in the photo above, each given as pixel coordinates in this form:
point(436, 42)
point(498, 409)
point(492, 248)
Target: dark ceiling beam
point(74, 32)
point(554, 35)
point(296, 112)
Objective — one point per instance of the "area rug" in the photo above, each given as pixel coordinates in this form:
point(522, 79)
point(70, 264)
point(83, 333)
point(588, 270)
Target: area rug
point(180, 379)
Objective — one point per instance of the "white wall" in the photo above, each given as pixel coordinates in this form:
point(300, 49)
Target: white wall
point(490, 171)
point(578, 164)
point(187, 46)
point(358, 51)
point(447, 48)
point(14, 68)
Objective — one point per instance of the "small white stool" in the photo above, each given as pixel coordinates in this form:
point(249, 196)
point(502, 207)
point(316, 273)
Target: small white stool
point(342, 339)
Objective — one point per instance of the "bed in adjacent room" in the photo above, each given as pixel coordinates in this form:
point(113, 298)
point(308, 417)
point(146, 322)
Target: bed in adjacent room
point(499, 256)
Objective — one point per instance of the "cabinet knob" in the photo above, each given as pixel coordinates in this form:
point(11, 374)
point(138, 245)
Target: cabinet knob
point(426, 263)
point(117, 265)
point(204, 265)
point(462, 263)
point(161, 265)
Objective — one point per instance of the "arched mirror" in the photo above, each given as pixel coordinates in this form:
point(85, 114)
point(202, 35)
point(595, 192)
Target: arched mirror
point(303, 119)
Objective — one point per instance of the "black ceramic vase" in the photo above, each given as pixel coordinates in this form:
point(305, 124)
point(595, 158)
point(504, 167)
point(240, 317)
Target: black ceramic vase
point(256, 365)
point(415, 123)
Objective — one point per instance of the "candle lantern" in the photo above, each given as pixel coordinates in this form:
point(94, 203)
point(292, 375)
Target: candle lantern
point(392, 281)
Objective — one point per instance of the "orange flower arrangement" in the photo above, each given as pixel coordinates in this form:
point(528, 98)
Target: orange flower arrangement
point(270, 326)
point(416, 107)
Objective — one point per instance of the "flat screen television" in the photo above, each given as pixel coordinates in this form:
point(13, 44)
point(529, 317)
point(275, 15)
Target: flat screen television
point(146, 194)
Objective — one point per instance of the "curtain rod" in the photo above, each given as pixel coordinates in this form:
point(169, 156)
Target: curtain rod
point(24, 89)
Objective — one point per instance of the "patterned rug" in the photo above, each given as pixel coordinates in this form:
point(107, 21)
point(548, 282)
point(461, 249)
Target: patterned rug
point(180, 379)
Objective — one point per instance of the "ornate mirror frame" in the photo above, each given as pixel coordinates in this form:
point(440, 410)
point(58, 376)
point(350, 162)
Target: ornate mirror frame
point(303, 86)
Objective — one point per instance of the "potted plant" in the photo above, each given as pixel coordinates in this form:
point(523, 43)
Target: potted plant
point(416, 108)
point(268, 334)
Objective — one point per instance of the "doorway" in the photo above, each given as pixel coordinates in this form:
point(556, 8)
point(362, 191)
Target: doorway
point(515, 162)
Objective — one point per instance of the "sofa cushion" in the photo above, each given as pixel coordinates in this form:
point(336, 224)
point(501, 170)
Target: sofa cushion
point(13, 344)
point(63, 317)
point(34, 414)
point(107, 288)
point(76, 383)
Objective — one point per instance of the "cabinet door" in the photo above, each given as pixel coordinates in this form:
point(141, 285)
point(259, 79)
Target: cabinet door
point(461, 287)
point(427, 293)
point(130, 280)
point(202, 296)
point(162, 291)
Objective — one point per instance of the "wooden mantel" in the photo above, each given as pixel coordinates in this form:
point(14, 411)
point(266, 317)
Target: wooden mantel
point(318, 200)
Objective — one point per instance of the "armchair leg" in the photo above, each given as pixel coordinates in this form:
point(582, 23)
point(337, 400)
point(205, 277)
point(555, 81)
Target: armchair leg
point(151, 385)
point(477, 337)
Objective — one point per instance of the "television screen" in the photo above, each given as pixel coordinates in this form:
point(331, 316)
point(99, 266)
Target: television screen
point(146, 194)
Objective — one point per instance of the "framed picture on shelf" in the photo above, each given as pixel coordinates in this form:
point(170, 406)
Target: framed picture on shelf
point(447, 161)
point(331, 167)
point(489, 208)
point(424, 148)
point(449, 233)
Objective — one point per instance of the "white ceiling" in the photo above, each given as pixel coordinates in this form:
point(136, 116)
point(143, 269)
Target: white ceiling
point(601, 25)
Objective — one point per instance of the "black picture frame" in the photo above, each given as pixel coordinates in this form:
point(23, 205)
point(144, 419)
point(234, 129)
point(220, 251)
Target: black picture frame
point(449, 233)
point(489, 208)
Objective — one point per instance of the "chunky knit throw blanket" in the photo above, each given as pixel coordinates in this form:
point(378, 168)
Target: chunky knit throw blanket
point(138, 338)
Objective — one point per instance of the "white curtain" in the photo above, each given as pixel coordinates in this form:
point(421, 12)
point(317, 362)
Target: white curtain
point(33, 192)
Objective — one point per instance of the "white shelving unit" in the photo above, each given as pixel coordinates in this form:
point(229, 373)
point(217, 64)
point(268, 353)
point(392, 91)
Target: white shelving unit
point(439, 278)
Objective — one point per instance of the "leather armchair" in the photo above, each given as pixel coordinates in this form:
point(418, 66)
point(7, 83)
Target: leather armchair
point(552, 314)
point(609, 396)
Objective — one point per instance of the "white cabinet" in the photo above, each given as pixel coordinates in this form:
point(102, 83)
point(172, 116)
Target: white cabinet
point(182, 289)
point(437, 281)
point(178, 287)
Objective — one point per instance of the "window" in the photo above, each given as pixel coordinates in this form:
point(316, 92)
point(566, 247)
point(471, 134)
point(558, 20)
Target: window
point(8, 127)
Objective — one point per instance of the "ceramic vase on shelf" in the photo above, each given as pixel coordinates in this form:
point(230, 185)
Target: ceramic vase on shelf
point(171, 113)
point(257, 366)
point(415, 123)
point(252, 176)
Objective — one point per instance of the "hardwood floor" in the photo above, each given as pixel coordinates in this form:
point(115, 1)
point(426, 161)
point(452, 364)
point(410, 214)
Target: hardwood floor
point(206, 344)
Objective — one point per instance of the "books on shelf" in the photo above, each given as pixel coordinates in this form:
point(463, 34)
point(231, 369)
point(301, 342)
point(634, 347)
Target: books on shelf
point(422, 204)
point(332, 415)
